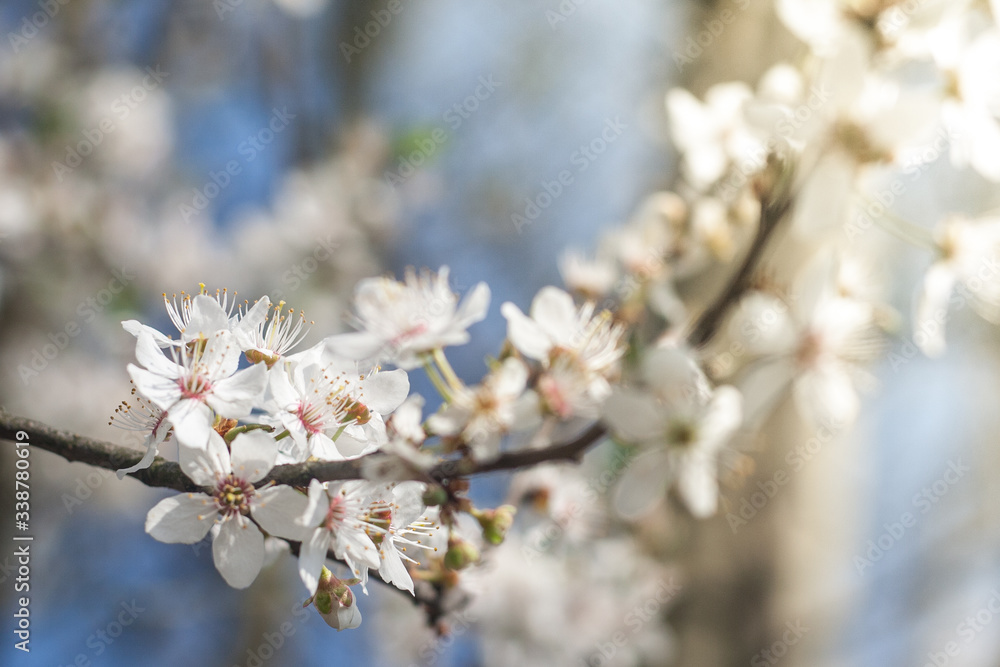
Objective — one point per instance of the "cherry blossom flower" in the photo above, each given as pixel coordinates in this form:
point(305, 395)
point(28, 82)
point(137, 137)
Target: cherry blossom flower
point(143, 417)
point(338, 518)
point(968, 254)
point(682, 424)
point(818, 343)
point(483, 413)
point(200, 379)
point(404, 320)
point(713, 134)
point(237, 543)
point(398, 510)
point(267, 336)
point(196, 317)
point(578, 349)
point(333, 412)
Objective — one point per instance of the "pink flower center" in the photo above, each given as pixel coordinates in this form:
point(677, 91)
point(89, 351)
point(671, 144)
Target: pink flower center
point(334, 513)
point(195, 387)
point(412, 332)
point(312, 420)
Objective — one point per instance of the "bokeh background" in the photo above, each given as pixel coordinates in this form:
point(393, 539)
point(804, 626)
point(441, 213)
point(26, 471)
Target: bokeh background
point(118, 120)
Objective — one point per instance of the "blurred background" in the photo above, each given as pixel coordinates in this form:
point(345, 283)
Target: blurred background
point(292, 147)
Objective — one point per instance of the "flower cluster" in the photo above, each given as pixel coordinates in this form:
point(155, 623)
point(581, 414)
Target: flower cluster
point(238, 397)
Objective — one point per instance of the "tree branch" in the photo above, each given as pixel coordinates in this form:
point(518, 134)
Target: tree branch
point(167, 474)
point(771, 213)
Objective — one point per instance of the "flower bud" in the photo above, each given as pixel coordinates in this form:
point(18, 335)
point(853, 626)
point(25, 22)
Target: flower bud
point(461, 554)
point(495, 523)
point(435, 495)
point(335, 602)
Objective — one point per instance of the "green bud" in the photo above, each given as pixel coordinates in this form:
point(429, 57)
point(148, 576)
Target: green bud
point(495, 523)
point(435, 495)
point(460, 554)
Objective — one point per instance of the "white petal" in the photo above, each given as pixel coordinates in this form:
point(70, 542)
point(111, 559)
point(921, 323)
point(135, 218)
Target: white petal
point(928, 329)
point(355, 547)
point(276, 508)
point(392, 569)
point(235, 396)
point(192, 422)
point(643, 484)
point(634, 415)
point(826, 396)
point(721, 419)
point(697, 485)
point(357, 345)
point(144, 462)
point(205, 465)
point(511, 379)
point(825, 197)
point(238, 551)
point(317, 505)
point(246, 329)
point(474, 306)
point(162, 391)
point(280, 386)
point(312, 556)
point(253, 455)
point(555, 313)
point(135, 327)
point(386, 390)
point(186, 518)
point(148, 353)
point(525, 334)
point(207, 318)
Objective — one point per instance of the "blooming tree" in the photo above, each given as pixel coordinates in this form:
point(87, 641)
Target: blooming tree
point(324, 453)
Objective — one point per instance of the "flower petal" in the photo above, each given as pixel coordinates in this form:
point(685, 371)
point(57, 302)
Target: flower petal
point(183, 519)
point(253, 455)
point(238, 551)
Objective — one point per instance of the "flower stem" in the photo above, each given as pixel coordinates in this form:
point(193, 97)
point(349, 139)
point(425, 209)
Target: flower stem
point(236, 430)
point(436, 379)
point(446, 369)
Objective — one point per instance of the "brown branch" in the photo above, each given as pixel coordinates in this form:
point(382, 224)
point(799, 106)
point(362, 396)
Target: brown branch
point(75, 447)
point(773, 210)
point(167, 474)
